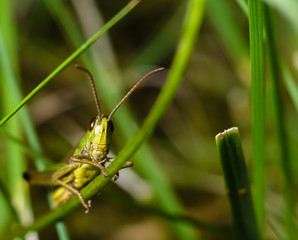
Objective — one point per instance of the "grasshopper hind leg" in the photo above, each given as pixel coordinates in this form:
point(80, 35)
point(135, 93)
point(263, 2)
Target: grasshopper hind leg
point(87, 204)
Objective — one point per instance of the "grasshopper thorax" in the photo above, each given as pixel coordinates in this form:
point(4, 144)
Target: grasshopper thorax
point(99, 137)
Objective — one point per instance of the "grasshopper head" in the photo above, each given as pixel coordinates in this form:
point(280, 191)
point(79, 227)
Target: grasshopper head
point(98, 138)
point(100, 135)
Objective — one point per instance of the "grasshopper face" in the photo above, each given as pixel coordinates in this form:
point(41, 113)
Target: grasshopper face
point(99, 137)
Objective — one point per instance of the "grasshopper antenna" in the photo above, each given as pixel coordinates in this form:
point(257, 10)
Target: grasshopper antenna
point(92, 87)
point(133, 89)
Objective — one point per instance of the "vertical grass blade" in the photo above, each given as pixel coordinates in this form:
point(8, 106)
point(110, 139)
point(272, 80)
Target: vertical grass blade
point(255, 9)
point(282, 139)
point(12, 94)
point(237, 184)
point(13, 164)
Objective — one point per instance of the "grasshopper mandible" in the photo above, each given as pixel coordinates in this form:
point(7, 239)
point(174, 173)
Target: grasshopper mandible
point(89, 155)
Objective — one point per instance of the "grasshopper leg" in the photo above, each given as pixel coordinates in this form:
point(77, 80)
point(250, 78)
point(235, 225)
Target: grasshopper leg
point(76, 192)
point(86, 161)
point(116, 177)
point(126, 165)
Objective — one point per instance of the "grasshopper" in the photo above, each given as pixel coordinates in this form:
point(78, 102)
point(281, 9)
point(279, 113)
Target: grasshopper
point(88, 158)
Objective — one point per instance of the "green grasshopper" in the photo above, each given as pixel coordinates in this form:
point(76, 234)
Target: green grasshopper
point(89, 155)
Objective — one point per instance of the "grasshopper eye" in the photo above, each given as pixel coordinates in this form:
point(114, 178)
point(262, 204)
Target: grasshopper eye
point(111, 125)
point(91, 124)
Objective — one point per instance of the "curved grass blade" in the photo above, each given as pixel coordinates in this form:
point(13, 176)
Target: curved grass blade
point(15, 205)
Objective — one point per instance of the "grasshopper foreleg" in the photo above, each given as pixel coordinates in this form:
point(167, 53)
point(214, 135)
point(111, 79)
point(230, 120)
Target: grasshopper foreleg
point(95, 164)
point(87, 204)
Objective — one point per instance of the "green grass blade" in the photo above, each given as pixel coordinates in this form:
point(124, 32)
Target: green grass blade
point(186, 45)
point(7, 204)
point(283, 143)
point(34, 150)
point(255, 8)
point(73, 56)
point(15, 160)
point(13, 164)
point(237, 184)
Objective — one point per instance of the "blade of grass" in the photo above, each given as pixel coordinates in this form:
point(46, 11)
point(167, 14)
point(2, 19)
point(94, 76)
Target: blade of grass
point(288, 77)
point(282, 139)
point(185, 47)
point(34, 150)
point(8, 60)
point(255, 8)
point(237, 185)
point(13, 166)
point(5, 195)
point(17, 194)
point(145, 160)
point(73, 56)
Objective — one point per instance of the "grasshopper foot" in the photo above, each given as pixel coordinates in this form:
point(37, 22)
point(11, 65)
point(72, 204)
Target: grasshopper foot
point(87, 205)
point(128, 164)
point(116, 177)
point(103, 170)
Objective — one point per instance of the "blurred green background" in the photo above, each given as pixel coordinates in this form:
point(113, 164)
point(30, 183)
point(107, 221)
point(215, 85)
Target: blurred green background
point(214, 95)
